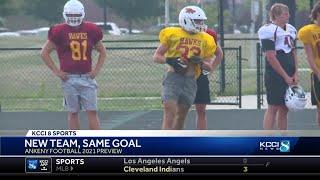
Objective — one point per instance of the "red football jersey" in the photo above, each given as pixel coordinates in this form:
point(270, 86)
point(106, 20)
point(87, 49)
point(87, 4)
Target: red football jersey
point(74, 45)
point(213, 34)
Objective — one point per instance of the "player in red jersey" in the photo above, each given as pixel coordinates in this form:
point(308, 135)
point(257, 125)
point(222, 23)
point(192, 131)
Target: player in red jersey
point(203, 90)
point(74, 41)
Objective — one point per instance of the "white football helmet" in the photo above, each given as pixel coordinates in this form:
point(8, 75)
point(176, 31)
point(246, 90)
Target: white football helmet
point(295, 98)
point(73, 12)
point(187, 18)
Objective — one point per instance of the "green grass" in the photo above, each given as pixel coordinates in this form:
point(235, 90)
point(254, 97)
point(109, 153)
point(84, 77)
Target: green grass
point(22, 42)
point(129, 80)
point(27, 84)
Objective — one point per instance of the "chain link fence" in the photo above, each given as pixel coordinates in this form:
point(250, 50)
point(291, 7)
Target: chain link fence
point(129, 80)
point(230, 91)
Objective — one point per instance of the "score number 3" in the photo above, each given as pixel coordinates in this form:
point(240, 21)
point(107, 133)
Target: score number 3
point(79, 50)
point(185, 51)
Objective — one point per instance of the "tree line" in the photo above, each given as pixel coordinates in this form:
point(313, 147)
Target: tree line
point(142, 10)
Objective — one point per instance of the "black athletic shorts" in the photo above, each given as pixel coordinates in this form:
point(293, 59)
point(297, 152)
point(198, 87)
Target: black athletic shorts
point(203, 91)
point(275, 85)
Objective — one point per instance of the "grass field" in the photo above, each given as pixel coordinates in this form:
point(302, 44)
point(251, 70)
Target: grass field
point(129, 80)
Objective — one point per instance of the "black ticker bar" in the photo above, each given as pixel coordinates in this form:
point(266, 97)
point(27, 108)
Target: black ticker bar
point(160, 165)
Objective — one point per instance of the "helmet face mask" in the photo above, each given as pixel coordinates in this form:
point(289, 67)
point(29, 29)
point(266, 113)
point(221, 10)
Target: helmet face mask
point(73, 13)
point(295, 98)
point(191, 19)
point(200, 25)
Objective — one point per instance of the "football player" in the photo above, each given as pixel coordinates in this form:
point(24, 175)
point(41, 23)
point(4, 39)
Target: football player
point(185, 49)
point(281, 70)
point(203, 90)
point(74, 41)
point(310, 36)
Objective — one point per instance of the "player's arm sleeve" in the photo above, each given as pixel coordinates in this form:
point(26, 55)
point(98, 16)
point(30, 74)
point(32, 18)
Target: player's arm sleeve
point(98, 35)
point(213, 34)
point(295, 31)
point(215, 37)
point(267, 45)
point(164, 37)
point(210, 48)
point(266, 36)
point(304, 35)
point(52, 35)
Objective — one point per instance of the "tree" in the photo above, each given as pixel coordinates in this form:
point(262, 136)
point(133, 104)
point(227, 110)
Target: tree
point(303, 6)
point(212, 11)
point(7, 7)
point(133, 10)
point(243, 12)
point(1, 22)
point(48, 10)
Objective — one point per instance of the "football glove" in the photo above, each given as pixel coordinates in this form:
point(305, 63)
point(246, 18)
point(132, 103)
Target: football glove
point(177, 63)
point(198, 60)
point(195, 60)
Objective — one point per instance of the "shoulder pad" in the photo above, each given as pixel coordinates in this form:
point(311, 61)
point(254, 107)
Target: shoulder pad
point(291, 29)
point(267, 31)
